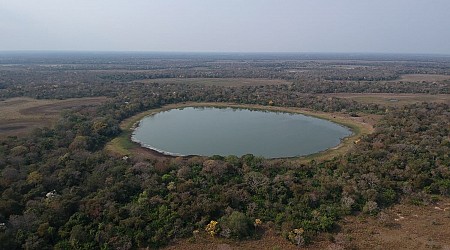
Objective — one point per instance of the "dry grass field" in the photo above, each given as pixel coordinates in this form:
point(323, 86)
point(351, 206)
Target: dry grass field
point(403, 226)
point(20, 115)
point(422, 78)
point(388, 99)
point(229, 82)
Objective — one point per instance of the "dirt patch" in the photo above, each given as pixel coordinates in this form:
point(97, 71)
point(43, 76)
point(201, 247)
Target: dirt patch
point(227, 82)
point(21, 115)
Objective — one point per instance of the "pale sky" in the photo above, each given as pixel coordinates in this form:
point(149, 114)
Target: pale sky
point(386, 26)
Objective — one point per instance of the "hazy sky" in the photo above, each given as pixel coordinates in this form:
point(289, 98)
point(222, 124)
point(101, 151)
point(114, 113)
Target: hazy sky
point(393, 26)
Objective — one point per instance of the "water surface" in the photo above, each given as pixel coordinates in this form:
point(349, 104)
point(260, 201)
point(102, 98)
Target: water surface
point(227, 131)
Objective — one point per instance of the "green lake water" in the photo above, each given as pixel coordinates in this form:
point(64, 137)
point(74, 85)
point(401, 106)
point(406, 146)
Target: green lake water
point(228, 131)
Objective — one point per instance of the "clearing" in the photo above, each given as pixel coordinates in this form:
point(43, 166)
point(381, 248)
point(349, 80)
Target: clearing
point(422, 78)
point(21, 115)
point(388, 99)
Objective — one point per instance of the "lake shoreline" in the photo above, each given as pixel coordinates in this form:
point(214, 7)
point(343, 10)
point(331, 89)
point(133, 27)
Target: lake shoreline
point(194, 130)
point(357, 128)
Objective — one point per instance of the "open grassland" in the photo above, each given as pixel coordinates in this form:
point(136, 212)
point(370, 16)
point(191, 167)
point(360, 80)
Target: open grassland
point(229, 82)
point(422, 78)
point(20, 115)
point(403, 226)
point(388, 99)
point(360, 126)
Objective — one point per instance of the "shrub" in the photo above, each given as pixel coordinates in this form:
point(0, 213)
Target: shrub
point(237, 225)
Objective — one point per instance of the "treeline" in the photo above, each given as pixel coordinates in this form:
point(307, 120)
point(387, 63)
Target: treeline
point(88, 76)
point(60, 189)
point(136, 95)
point(323, 87)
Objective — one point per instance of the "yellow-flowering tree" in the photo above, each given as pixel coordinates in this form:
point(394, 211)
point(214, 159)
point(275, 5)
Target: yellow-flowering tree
point(296, 236)
point(212, 228)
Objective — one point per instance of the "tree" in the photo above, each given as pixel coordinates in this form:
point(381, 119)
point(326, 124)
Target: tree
point(237, 224)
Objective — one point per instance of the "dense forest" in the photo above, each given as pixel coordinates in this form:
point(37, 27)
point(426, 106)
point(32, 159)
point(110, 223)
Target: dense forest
point(61, 189)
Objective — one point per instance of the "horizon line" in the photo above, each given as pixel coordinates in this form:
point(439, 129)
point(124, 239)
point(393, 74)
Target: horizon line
point(223, 52)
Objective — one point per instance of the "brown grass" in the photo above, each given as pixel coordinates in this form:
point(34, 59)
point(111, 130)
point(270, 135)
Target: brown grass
point(404, 226)
point(228, 82)
point(388, 99)
point(21, 115)
point(270, 240)
point(423, 78)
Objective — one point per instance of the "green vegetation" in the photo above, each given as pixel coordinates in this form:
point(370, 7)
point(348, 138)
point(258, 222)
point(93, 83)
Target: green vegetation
point(122, 144)
point(139, 204)
point(60, 188)
point(237, 225)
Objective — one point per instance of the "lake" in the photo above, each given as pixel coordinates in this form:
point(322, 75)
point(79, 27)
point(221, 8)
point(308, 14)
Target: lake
point(211, 131)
